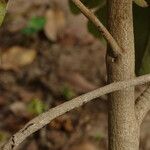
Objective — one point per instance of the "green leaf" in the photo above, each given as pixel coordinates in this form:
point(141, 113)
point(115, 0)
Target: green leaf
point(142, 34)
point(67, 92)
point(145, 66)
point(98, 136)
point(28, 31)
point(141, 15)
point(34, 25)
point(73, 8)
point(141, 31)
point(36, 107)
point(3, 5)
point(3, 136)
point(101, 13)
point(87, 3)
point(142, 3)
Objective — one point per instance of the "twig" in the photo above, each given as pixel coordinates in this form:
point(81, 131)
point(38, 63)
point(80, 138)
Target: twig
point(143, 105)
point(117, 50)
point(43, 119)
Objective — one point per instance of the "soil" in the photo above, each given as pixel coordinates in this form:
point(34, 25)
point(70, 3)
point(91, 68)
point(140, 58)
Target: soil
point(53, 71)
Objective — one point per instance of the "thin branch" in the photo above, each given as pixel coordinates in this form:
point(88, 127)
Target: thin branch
point(143, 105)
point(43, 119)
point(117, 50)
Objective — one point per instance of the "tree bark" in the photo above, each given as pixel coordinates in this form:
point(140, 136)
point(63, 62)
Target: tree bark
point(123, 126)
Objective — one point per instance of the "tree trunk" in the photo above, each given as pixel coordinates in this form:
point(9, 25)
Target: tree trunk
point(123, 126)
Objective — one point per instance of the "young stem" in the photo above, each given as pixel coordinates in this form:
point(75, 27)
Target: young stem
point(123, 126)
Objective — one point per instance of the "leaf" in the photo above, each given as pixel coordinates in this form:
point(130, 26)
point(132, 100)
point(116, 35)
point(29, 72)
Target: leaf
point(37, 23)
point(17, 56)
point(141, 31)
point(36, 107)
point(3, 136)
point(145, 66)
point(18, 108)
point(55, 23)
point(67, 92)
point(87, 3)
point(142, 34)
point(141, 3)
point(34, 25)
point(3, 5)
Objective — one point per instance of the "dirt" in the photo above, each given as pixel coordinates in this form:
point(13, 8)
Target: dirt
point(71, 65)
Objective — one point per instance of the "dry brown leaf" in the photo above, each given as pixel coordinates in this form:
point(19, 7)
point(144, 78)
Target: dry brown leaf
point(64, 122)
point(68, 125)
point(55, 23)
point(18, 108)
point(17, 57)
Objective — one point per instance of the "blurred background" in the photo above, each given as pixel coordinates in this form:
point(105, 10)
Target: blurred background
point(47, 57)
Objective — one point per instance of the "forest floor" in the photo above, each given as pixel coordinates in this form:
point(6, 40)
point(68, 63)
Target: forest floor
point(42, 66)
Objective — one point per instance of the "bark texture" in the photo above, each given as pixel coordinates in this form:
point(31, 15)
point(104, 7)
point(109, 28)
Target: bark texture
point(123, 126)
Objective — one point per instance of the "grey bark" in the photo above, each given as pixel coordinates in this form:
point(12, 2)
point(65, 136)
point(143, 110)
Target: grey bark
point(123, 126)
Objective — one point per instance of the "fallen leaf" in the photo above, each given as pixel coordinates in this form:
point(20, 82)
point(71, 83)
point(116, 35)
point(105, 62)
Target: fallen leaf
point(63, 122)
point(68, 125)
point(55, 23)
point(18, 108)
point(16, 57)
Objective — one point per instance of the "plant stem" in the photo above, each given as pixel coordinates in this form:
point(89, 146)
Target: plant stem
point(123, 126)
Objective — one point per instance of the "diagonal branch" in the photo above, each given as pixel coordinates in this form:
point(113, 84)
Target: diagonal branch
point(43, 119)
point(117, 50)
point(143, 105)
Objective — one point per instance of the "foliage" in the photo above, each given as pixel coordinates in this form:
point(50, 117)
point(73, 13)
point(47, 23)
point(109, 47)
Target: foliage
point(36, 107)
point(67, 92)
point(3, 136)
point(141, 15)
point(3, 5)
point(142, 39)
point(142, 3)
point(34, 25)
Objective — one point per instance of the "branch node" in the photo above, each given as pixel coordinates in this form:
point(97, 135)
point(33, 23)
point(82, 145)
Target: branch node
point(117, 50)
